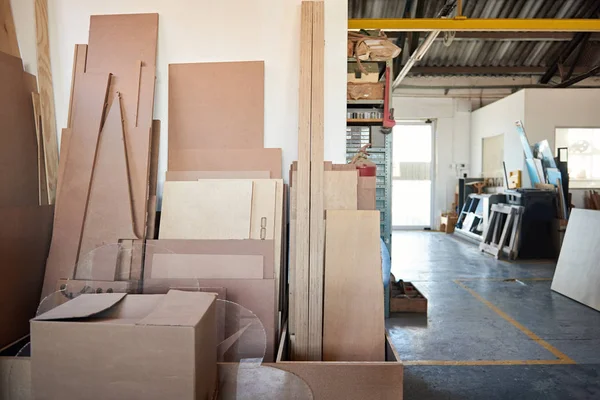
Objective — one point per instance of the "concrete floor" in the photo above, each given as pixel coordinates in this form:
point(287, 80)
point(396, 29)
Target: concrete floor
point(494, 329)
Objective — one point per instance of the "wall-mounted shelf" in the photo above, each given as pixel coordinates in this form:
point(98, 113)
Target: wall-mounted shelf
point(366, 102)
point(365, 121)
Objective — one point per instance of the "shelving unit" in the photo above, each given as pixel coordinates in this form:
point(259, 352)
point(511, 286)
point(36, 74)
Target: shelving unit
point(357, 137)
point(359, 132)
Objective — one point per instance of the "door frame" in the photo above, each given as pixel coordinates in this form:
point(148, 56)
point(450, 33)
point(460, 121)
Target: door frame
point(433, 125)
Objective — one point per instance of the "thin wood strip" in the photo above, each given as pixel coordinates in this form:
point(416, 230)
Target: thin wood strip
point(153, 185)
point(65, 139)
point(43, 188)
point(302, 185)
point(79, 61)
point(317, 223)
point(46, 91)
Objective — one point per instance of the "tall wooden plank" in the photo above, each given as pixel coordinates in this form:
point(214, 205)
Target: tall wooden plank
point(46, 91)
point(8, 33)
point(137, 37)
point(354, 326)
point(302, 186)
point(108, 216)
point(317, 223)
point(70, 212)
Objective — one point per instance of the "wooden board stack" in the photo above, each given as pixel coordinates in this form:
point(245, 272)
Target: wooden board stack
point(24, 203)
point(318, 191)
point(223, 219)
point(105, 168)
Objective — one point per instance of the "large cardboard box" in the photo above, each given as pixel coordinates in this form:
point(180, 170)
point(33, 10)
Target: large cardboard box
point(119, 346)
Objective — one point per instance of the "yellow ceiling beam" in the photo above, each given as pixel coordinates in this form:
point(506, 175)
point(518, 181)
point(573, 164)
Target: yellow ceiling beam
point(489, 24)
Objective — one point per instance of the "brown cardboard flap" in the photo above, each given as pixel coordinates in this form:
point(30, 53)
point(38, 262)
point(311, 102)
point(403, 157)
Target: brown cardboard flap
point(83, 306)
point(180, 308)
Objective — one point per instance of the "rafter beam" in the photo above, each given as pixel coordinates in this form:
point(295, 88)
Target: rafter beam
point(483, 70)
point(512, 36)
point(489, 24)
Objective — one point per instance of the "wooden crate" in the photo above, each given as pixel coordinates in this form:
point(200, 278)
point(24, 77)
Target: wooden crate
point(412, 302)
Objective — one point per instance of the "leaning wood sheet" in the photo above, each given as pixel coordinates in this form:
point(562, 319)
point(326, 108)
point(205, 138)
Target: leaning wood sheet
point(227, 160)
point(216, 105)
point(125, 46)
point(24, 241)
point(74, 191)
point(207, 209)
point(108, 218)
point(354, 326)
point(577, 274)
point(19, 151)
point(195, 175)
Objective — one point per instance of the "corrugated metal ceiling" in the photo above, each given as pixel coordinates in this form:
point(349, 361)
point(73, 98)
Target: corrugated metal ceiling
point(490, 52)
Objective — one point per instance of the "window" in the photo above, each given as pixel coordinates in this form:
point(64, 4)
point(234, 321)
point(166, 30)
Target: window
point(584, 155)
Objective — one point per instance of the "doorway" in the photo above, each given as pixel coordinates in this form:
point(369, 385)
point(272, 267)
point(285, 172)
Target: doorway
point(412, 175)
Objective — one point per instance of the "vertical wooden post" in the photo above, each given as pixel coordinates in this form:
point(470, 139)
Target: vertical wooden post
point(317, 214)
point(46, 97)
point(302, 187)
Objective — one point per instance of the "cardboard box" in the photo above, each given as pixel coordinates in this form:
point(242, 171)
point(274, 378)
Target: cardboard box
point(355, 75)
point(448, 222)
point(119, 346)
point(365, 91)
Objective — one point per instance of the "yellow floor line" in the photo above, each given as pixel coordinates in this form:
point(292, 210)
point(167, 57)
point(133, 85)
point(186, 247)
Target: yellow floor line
point(486, 362)
point(503, 279)
point(561, 356)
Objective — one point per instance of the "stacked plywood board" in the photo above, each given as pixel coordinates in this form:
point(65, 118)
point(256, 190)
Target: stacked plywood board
point(577, 274)
point(318, 187)
point(222, 224)
point(107, 160)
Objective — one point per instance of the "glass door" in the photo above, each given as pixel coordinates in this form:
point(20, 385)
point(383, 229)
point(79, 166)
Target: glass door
point(412, 175)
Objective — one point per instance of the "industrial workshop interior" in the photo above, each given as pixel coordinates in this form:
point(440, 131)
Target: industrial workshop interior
point(300, 199)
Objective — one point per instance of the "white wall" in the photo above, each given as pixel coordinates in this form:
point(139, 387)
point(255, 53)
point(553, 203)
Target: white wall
point(452, 127)
point(548, 109)
point(209, 31)
point(496, 119)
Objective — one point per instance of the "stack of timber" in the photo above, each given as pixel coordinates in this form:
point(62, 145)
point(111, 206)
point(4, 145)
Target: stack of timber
point(107, 172)
point(222, 225)
point(25, 209)
point(334, 233)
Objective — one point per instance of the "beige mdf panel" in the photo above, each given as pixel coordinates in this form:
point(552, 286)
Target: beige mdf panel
point(341, 190)
point(207, 209)
point(577, 274)
point(354, 327)
point(207, 266)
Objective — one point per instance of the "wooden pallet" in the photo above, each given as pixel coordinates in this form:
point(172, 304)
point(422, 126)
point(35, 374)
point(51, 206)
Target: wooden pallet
point(502, 233)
